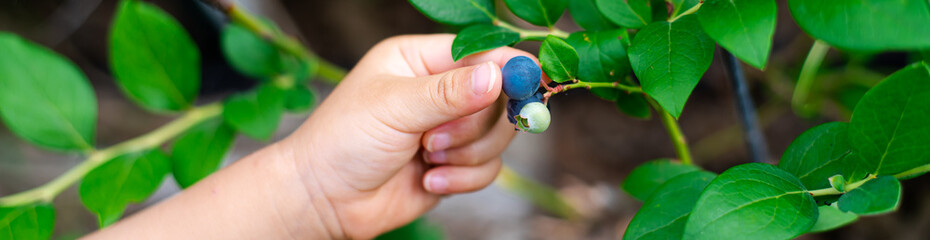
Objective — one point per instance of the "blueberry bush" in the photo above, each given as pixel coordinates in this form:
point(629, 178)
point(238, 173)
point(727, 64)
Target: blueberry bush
point(648, 55)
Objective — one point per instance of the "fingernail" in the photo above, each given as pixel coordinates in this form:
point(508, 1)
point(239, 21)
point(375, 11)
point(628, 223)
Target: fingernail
point(436, 157)
point(481, 78)
point(439, 142)
point(436, 183)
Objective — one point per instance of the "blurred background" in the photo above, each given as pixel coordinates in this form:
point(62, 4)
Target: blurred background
point(584, 156)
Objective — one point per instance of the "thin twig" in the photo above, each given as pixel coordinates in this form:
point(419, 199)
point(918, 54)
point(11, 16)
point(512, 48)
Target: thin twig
point(755, 139)
point(800, 101)
point(48, 191)
point(674, 132)
point(286, 43)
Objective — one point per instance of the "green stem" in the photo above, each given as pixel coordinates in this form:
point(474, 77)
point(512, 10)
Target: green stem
point(283, 42)
point(526, 34)
point(806, 79)
point(558, 32)
point(824, 192)
point(590, 85)
point(328, 71)
point(689, 11)
point(849, 187)
point(671, 125)
point(541, 195)
point(283, 81)
point(47, 192)
point(674, 132)
point(913, 172)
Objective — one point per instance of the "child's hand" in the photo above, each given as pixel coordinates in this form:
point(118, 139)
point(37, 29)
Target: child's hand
point(363, 148)
point(356, 168)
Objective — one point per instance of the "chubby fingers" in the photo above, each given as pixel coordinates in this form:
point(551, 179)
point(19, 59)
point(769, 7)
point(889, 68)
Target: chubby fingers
point(452, 179)
point(463, 131)
point(488, 147)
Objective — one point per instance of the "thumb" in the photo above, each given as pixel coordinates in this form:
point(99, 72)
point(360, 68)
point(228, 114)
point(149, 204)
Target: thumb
point(426, 102)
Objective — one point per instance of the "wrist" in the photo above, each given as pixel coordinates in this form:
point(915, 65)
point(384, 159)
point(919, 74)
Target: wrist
point(258, 197)
point(315, 213)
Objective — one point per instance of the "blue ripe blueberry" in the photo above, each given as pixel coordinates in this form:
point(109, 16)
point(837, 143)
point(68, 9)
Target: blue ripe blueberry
point(514, 106)
point(520, 77)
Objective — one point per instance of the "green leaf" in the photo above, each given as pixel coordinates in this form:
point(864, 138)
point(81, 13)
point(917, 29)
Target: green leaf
point(199, 152)
point(878, 196)
point(602, 58)
point(299, 99)
point(456, 12)
point(820, 153)
point(27, 222)
point(44, 98)
point(669, 59)
point(848, 96)
point(646, 178)
point(254, 56)
point(627, 13)
point(752, 201)
point(889, 125)
point(248, 53)
point(838, 183)
point(633, 104)
point(586, 15)
point(913, 173)
point(299, 69)
point(832, 218)
point(129, 178)
point(538, 12)
point(559, 60)
point(154, 60)
point(744, 27)
point(256, 114)
point(865, 25)
point(664, 214)
point(419, 229)
point(479, 38)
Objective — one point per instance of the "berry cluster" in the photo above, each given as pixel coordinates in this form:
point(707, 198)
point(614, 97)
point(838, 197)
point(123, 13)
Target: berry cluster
point(525, 109)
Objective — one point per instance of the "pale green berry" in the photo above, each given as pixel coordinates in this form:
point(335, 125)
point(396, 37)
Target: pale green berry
point(534, 118)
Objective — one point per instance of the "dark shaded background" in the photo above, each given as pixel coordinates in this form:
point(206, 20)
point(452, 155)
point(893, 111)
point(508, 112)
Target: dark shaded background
point(586, 153)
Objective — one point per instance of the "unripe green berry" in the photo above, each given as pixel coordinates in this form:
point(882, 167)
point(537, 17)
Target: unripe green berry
point(534, 118)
